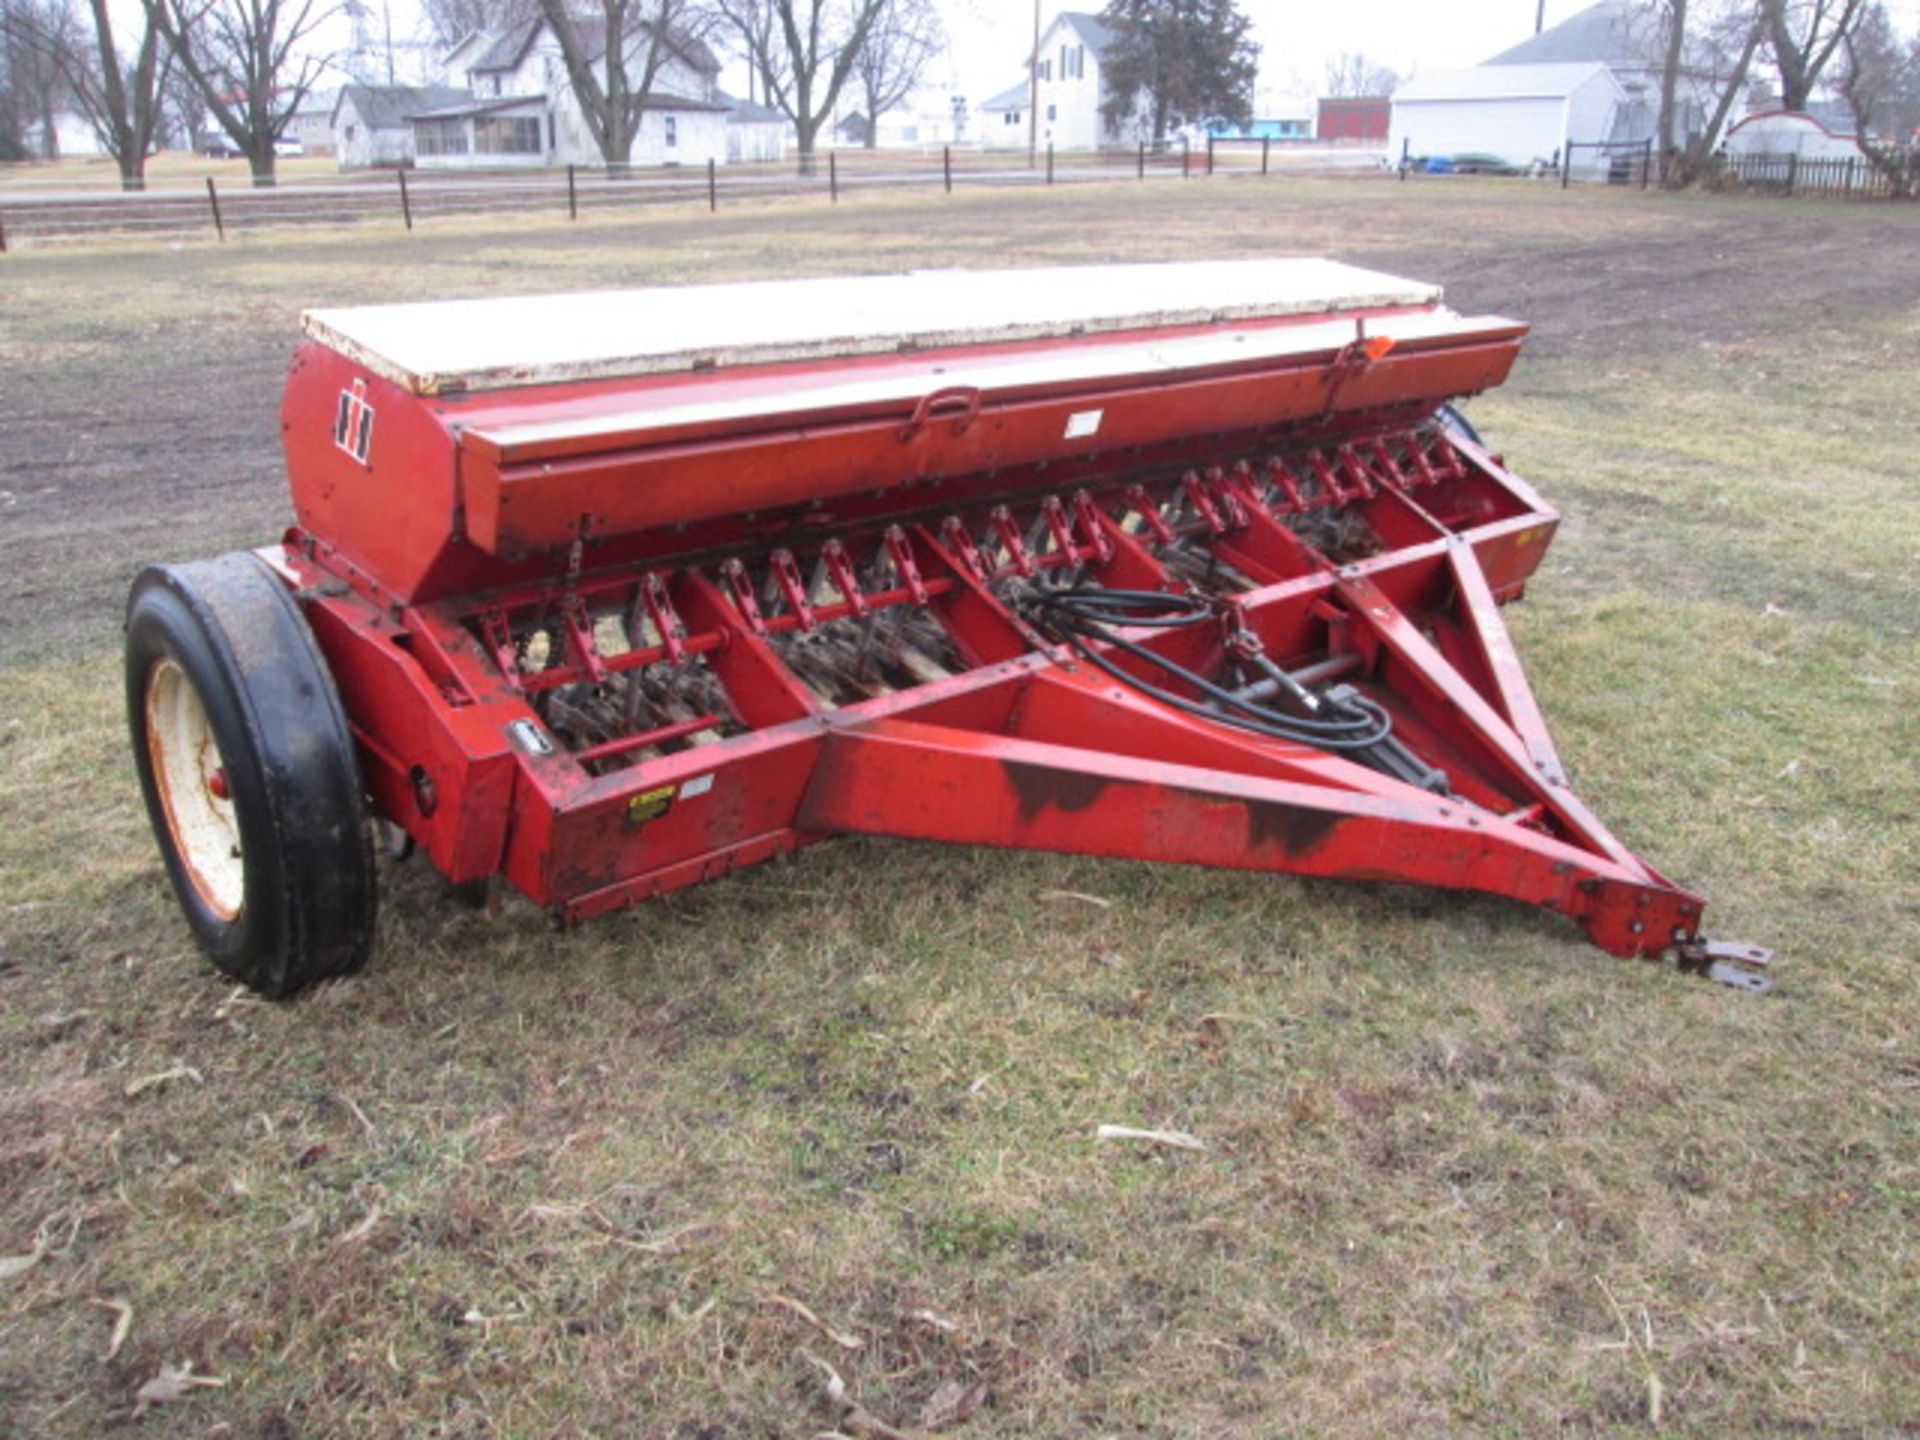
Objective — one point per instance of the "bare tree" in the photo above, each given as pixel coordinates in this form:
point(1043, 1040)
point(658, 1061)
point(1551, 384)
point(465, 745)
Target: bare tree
point(1674, 17)
point(1880, 80)
point(183, 113)
point(803, 52)
point(1803, 36)
point(451, 21)
point(119, 96)
point(636, 39)
point(905, 36)
point(1353, 75)
point(35, 34)
point(1720, 53)
point(249, 64)
point(1703, 52)
point(12, 138)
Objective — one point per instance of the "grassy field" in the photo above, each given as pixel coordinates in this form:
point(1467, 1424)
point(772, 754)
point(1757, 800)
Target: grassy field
point(810, 1150)
point(169, 170)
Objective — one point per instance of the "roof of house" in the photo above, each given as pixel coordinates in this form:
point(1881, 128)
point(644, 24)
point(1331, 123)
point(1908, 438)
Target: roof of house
point(509, 47)
point(1501, 82)
point(668, 100)
point(389, 107)
point(1013, 98)
point(490, 106)
point(493, 105)
point(1095, 32)
point(748, 112)
point(480, 39)
point(1606, 32)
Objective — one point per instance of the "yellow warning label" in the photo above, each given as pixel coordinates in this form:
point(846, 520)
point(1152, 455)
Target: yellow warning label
point(649, 804)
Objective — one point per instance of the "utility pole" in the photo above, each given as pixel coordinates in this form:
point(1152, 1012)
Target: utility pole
point(1033, 92)
point(1540, 17)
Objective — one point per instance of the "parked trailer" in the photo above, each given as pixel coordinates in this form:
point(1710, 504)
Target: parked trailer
point(608, 594)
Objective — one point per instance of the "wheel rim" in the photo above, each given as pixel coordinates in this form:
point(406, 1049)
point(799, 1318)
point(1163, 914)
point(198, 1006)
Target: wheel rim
point(195, 789)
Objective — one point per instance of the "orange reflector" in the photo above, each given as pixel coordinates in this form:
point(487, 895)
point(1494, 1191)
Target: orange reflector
point(1378, 345)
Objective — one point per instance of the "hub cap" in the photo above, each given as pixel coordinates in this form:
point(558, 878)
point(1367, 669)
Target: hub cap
point(194, 791)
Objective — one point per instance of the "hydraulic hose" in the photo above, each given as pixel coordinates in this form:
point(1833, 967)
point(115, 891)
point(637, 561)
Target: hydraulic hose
point(1083, 616)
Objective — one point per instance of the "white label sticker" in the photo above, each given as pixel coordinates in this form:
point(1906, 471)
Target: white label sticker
point(699, 785)
point(529, 737)
point(1083, 423)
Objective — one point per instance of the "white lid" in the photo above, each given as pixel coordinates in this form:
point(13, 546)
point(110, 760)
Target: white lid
point(538, 339)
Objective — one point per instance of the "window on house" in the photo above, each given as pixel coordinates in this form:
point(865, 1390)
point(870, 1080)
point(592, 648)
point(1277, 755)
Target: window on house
point(673, 131)
point(1046, 69)
point(506, 135)
point(352, 130)
point(440, 137)
point(1050, 112)
point(1079, 61)
point(1013, 117)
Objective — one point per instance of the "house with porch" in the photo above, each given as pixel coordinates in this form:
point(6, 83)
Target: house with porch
point(372, 125)
point(522, 109)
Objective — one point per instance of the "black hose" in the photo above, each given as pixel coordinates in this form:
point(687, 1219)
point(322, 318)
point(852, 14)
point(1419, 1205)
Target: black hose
point(1082, 616)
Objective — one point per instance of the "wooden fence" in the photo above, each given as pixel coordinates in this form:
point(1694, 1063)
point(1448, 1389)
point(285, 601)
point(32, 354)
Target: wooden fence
point(418, 197)
point(1853, 177)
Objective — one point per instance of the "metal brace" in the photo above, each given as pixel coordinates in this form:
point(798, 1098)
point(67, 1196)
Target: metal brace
point(1728, 961)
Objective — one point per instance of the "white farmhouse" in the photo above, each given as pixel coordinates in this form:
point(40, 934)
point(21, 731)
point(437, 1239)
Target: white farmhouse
point(1072, 88)
point(1519, 113)
point(372, 125)
point(523, 110)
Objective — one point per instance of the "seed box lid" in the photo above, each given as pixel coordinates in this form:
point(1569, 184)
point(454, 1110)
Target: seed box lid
point(489, 344)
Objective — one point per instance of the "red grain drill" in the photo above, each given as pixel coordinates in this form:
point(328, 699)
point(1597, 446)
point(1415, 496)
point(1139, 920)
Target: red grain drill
point(612, 593)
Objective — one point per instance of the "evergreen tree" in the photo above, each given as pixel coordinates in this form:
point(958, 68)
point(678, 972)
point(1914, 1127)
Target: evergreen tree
point(1186, 62)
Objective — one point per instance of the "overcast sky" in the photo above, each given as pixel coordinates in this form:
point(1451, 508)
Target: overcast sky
point(1297, 37)
point(989, 38)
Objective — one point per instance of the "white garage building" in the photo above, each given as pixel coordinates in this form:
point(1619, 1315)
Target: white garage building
point(1521, 113)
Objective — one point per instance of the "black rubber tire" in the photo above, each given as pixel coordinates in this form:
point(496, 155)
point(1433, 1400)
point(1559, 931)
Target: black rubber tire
point(307, 895)
point(1451, 417)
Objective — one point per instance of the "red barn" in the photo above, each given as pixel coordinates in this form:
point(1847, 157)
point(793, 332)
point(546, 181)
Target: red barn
point(1362, 117)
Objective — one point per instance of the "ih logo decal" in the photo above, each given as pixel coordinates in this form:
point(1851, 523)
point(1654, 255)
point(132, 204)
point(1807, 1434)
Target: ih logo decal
point(353, 426)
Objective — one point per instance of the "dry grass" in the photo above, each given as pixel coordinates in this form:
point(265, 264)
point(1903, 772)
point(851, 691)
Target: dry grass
point(170, 170)
point(655, 1176)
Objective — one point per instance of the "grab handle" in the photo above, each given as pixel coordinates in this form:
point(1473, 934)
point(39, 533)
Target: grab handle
point(963, 398)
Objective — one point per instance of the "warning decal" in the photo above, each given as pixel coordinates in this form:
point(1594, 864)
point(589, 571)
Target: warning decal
point(649, 804)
